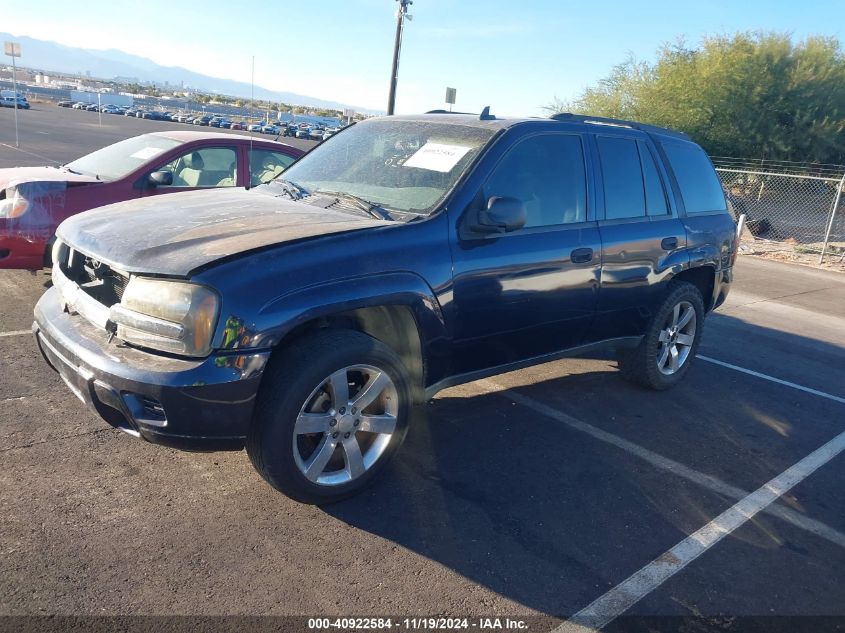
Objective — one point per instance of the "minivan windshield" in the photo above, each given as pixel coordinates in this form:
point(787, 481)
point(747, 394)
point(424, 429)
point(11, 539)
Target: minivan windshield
point(118, 160)
point(400, 165)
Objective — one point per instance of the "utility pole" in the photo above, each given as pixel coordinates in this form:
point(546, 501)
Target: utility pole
point(397, 45)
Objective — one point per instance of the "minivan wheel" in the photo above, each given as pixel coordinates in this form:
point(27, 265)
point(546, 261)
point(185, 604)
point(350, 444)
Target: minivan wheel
point(332, 409)
point(667, 350)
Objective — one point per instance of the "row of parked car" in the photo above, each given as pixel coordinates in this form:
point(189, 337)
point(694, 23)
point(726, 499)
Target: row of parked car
point(315, 132)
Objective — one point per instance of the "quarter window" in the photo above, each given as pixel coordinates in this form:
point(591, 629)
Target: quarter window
point(699, 184)
point(547, 173)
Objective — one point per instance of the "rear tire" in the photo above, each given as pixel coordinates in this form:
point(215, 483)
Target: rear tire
point(667, 350)
point(332, 410)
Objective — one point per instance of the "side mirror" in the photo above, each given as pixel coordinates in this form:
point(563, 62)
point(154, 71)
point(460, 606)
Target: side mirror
point(501, 215)
point(159, 178)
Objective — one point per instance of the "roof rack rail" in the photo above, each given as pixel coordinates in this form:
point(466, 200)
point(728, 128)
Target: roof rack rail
point(599, 120)
point(484, 116)
point(450, 112)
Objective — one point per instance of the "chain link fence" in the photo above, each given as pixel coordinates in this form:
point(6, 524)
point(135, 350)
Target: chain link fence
point(789, 207)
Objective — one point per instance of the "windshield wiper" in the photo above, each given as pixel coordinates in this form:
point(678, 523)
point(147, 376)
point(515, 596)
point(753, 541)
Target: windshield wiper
point(370, 208)
point(80, 173)
point(294, 191)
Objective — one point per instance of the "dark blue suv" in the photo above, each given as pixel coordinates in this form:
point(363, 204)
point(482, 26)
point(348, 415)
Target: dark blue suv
point(304, 318)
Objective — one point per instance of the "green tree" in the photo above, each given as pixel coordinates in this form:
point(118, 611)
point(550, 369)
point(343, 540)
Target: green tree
point(749, 94)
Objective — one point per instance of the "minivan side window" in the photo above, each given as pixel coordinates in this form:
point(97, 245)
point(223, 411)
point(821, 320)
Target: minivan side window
point(547, 173)
point(624, 195)
point(700, 187)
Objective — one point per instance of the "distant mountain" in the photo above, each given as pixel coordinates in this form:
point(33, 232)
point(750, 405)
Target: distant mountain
point(50, 56)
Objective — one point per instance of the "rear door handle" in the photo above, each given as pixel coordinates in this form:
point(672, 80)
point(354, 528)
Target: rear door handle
point(581, 255)
point(669, 243)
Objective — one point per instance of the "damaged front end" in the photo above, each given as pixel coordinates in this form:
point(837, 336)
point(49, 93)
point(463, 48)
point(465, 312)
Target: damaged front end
point(120, 349)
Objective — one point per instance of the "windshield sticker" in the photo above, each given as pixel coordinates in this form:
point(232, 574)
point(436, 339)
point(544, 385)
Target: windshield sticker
point(437, 157)
point(146, 152)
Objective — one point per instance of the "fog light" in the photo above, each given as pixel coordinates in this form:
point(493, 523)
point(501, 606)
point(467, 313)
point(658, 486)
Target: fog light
point(145, 409)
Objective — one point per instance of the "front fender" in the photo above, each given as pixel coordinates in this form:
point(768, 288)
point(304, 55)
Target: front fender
point(306, 304)
point(286, 312)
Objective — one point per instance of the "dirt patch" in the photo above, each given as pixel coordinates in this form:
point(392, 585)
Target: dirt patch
point(791, 251)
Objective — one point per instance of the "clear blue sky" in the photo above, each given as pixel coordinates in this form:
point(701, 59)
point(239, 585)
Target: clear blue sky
point(514, 56)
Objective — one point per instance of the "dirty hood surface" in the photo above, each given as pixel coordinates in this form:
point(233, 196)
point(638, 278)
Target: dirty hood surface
point(16, 175)
point(174, 234)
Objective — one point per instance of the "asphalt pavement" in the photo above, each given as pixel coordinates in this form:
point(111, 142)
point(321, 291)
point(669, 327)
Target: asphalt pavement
point(559, 491)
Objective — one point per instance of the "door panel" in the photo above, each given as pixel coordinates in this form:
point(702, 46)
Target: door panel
point(524, 293)
point(635, 269)
point(643, 241)
point(522, 296)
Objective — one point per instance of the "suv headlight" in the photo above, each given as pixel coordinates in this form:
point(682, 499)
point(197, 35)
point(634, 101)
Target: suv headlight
point(14, 205)
point(171, 316)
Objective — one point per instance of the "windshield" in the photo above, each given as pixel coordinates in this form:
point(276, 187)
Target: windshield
point(400, 165)
point(116, 161)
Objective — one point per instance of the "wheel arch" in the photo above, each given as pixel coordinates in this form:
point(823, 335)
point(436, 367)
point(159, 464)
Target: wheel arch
point(702, 277)
point(400, 310)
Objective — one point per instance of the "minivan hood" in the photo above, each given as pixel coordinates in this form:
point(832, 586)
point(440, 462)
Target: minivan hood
point(175, 234)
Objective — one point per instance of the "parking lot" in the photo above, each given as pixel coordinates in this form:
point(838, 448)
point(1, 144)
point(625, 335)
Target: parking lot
point(547, 493)
point(50, 135)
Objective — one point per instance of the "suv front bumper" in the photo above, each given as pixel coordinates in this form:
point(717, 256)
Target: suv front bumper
point(194, 404)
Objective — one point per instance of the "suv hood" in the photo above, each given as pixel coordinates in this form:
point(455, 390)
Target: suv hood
point(18, 175)
point(174, 234)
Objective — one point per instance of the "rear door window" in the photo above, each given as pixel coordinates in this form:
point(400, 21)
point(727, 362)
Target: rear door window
point(699, 184)
point(624, 195)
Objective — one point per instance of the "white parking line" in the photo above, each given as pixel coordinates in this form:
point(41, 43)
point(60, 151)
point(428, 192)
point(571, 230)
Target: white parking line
point(18, 149)
point(709, 482)
point(786, 383)
point(15, 333)
point(615, 602)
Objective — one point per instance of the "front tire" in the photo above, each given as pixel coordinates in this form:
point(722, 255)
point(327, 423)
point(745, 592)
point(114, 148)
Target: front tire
point(332, 410)
point(667, 350)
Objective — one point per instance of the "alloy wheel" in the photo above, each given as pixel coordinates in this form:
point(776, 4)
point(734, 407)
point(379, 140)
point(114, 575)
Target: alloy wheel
point(674, 343)
point(345, 425)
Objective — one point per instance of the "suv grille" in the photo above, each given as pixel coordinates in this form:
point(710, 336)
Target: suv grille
point(94, 277)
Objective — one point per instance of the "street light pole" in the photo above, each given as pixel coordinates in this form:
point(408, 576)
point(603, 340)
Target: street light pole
point(13, 49)
point(15, 89)
point(397, 45)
